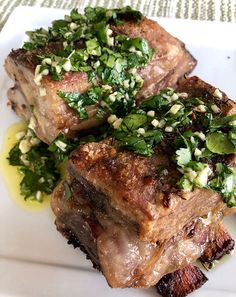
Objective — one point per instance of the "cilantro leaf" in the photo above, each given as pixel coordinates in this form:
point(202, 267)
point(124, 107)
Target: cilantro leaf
point(137, 144)
point(155, 102)
point(93, 47)
point(219, 143)
point(133, 121)
point(183, 156)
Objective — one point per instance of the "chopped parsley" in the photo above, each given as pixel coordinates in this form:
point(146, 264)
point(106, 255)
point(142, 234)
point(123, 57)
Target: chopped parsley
point(37, 165)
point(80, 101)
point(40, 163)
point(89, 44)
point(225, 183)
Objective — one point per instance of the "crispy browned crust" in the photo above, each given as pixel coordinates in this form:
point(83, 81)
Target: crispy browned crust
point(86, 236)
point(29, 58)
point(221, 245)
point(130, 184)
point(181, 282)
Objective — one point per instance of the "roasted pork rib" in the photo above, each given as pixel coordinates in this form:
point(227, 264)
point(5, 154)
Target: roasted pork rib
point(127, 183)
point(51, 115)
point(134, 225)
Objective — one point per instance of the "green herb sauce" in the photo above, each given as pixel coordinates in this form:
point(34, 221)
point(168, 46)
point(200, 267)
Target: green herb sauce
point(92, 45)
point(170, 120)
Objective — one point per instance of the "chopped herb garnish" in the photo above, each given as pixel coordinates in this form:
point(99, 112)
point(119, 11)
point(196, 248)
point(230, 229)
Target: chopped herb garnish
point(176, 125)
point(183, 156)
point(193, 132)
point(225, 183)
point(40, 163)
point(62, 147)
point(38, 166)
point(80, 101)
point(219, 143)
point(110, 60)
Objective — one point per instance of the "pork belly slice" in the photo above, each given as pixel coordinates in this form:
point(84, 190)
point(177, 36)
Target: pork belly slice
point(51, 115)
point(116, 249)
point(181, 282)
point(128, 184)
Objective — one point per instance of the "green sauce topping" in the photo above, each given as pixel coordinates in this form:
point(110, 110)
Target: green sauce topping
point(90, 45)
point(192, 135)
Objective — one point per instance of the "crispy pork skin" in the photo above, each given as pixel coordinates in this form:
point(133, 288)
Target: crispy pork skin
point(116, 249)
point(181, 282)
point(51, 115)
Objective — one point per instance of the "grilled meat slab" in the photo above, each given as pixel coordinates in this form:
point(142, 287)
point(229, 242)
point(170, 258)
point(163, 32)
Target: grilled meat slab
point(170, 61)
point(128, 184)
point(133, 224)
point(116, 249)
point(51, 115)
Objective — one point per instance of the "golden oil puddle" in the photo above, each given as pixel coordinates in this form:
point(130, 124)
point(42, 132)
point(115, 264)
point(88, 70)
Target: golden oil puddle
point(11, 174)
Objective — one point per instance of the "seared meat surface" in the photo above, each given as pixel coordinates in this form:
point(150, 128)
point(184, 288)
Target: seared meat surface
point(222, 244)
point(51, 115)
point(116, 249)
point(128, 183)
point(182, 282)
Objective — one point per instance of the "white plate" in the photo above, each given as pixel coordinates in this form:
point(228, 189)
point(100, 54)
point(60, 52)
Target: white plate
point(35, 260)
